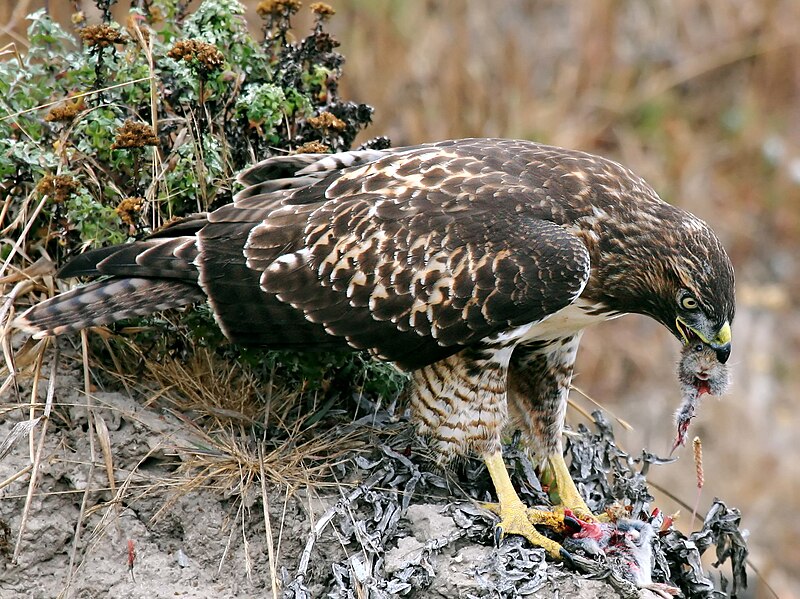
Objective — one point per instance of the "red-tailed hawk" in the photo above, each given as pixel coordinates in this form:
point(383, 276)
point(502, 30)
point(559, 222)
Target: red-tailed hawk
point(475, 264)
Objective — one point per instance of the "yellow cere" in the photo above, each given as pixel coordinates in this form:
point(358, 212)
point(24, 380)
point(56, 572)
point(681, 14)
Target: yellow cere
point(724, 335)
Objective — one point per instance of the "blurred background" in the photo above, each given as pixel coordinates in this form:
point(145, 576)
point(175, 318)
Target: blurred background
point(702, 99)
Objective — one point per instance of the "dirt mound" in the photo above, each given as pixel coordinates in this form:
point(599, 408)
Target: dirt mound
point(387, 523)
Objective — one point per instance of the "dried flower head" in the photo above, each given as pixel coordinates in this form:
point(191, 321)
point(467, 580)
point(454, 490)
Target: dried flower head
point(133, 25)
point(698, 469)
point(134, 135)
point(327, 122)
point(101, 36)
point(697, 446)
point(78, 17)
point(325, 42)
point(66, 111)
point(322, 10)
point(313, 147)
point(58, 187)
point(156, 15)
point(277, 8)
point(128, 208)
point(206, 55)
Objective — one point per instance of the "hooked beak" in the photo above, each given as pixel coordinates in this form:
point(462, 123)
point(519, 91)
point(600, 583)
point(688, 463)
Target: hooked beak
point(723, 352)
point(720, 343)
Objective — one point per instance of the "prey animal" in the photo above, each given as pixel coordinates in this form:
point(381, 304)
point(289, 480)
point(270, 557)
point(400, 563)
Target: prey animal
point(700, 372)
point(473, 264)
point(623, 548)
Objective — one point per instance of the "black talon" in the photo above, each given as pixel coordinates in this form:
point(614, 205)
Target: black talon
point(566, 557)
point(573, 524)
point(498, 535)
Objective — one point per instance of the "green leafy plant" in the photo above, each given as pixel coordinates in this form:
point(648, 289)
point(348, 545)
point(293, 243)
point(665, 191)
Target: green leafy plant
point(110, 130)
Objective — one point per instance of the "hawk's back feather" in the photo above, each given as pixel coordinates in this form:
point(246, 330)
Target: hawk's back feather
point(411, 253)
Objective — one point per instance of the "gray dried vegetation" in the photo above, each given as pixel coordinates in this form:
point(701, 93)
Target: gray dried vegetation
point(395, 548)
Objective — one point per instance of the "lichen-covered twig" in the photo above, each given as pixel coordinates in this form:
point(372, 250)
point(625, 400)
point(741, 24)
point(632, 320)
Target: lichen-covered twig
point(338, 508)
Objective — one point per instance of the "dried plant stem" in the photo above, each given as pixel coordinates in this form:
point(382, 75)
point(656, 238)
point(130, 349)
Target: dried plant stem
point(243, 511)
point(75, 97)
point(157, 171)
point(19, 241)
point(15, 476)
point(37, 372)
point(583, 393)
point(21, 288)
point(225, 551)
point(104, 438)
point(92, 458)
point(286, 497)
point(11, 47)
point(37, 455)
point(273, 573)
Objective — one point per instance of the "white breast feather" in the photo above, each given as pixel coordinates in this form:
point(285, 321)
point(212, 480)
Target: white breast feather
point(565, 322)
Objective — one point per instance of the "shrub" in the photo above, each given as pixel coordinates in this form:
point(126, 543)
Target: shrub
point(112, 130)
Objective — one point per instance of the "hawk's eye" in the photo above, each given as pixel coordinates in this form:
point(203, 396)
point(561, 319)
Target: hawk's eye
point(689, 303)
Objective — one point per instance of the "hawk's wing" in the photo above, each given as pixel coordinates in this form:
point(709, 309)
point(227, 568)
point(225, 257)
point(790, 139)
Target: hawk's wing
point(412, 255)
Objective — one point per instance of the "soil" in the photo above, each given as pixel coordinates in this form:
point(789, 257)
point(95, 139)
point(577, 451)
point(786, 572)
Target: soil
point(393, 526)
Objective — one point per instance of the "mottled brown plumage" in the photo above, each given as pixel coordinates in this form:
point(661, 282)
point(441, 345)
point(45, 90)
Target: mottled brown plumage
point(475, 264)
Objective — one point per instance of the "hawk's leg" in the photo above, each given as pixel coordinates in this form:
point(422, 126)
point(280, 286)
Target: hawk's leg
point(538, 384)
point(461, 405)
point(460, 401)
point(515, 517)
point(567, 491)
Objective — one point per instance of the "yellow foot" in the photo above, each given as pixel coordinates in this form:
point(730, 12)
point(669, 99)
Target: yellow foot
point(517, 519)
point(568, 494)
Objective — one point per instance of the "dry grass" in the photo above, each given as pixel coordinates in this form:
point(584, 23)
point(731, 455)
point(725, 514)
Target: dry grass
point(231, 434)
point(245, 429)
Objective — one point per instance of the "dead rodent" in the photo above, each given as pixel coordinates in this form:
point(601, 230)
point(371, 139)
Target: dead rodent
point(700, 373)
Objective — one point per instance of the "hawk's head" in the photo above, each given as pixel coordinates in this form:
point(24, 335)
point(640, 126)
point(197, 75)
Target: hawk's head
point(700, 317)
point(695, 297)
point(679, 274)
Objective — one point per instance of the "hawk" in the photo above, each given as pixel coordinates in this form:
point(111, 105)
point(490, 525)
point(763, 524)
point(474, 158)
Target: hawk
point(473, 264)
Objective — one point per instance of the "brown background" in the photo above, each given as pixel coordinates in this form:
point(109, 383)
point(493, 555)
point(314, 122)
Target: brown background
point(702, 98)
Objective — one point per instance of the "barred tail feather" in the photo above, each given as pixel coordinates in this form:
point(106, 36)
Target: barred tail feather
point(105, 302)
